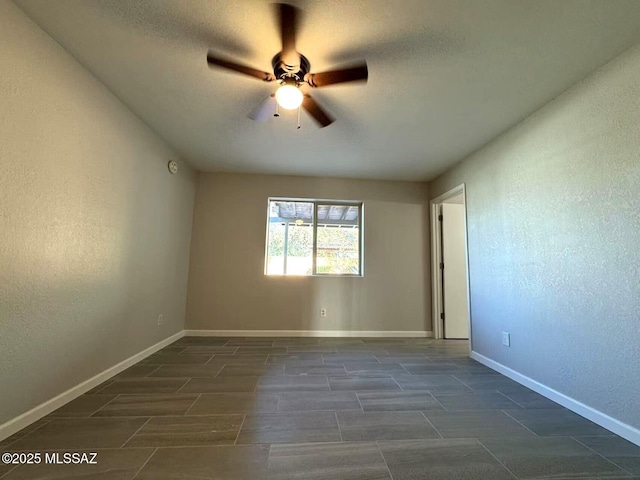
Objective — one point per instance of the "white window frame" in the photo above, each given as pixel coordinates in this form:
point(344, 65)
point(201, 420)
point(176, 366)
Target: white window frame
point(316, 202)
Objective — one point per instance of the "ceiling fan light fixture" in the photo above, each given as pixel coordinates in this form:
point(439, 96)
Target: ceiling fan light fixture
point(289, 97)
point(291, 69)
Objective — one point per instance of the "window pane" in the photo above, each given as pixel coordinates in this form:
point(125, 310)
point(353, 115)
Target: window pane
point(338, 242)
point(300, 258)
point(275, 249)
point(290, 244)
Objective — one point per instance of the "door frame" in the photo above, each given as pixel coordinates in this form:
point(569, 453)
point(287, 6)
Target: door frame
point(436, 258)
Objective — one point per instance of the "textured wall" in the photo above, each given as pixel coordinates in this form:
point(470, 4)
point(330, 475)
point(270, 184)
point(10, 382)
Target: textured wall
point(554, 228)
point(95, 231)
point(229, 291)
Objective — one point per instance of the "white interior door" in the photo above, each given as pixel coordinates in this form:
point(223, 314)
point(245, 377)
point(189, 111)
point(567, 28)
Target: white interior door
point(455, 272)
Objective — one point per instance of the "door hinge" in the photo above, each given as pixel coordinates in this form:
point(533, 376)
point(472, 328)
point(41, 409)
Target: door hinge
point(440, 217)
point(442, 316)
point(441, 266)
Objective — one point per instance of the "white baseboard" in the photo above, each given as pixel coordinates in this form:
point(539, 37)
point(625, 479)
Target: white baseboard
point(16, 424)
point(306, 333)
point(616, 426)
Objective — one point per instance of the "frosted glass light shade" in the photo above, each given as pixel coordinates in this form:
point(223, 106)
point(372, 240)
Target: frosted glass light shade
point(289, 97)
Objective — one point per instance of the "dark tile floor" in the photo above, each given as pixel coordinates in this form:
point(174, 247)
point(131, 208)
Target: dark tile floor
point(319, 409)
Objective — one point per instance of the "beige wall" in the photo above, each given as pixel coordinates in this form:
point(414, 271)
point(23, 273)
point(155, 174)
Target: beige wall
point(229, 291)
point(553, 228)
point(95, 231)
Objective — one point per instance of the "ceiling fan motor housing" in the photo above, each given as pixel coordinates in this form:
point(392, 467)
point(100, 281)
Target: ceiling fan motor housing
point(283, 71)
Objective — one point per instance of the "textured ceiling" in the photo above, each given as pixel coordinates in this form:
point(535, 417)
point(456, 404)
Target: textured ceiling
point(445, 76)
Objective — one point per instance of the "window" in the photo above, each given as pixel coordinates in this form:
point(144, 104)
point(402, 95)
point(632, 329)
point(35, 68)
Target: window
point(314, 237)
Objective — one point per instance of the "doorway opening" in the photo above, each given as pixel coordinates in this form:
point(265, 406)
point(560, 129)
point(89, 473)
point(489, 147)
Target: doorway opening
point(450, 266)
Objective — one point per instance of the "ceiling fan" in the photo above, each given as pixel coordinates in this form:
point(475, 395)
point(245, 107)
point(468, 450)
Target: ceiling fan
point(291, 70)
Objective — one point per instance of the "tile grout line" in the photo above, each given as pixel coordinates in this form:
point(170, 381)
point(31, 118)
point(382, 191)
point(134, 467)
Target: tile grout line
point(102, 386)
point(496, 458)
point(4, 447)
point(468, 386)
point(140, 394)
point(335, 414)
point(384, 460)
point(431, 423)
point(213, 355)
point(152, 371)
point(396, 382)
point(266, 469)
point(439, 403)
point(510, 399)
point(187, 380)
point(602, 456)
point(15, 467)
point(244, 418)
point(145, 463)
point(191, 406)
point(516, 420)
point(463, 384)
point(44, 422)
point(130, 417)
point(136, 432)
point(91, 415)
point(218, 372)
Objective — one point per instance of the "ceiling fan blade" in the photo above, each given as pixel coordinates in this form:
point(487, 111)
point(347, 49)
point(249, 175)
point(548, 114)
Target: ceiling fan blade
point(353, 74)
point(265, 110)
point(236, 67)
point(318, 114)
point(288, 27)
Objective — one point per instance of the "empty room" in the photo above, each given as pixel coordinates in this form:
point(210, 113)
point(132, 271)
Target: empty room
point(319, 240)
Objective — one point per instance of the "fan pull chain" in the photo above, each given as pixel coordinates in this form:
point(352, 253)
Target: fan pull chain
point(299, 108)
point(277, 114)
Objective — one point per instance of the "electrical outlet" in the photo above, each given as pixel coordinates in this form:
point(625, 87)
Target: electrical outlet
point(323, 312)
point(160, 319)
point(506, 339)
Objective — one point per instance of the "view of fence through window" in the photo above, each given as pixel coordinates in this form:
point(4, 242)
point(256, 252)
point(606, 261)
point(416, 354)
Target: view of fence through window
point(313, 238)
